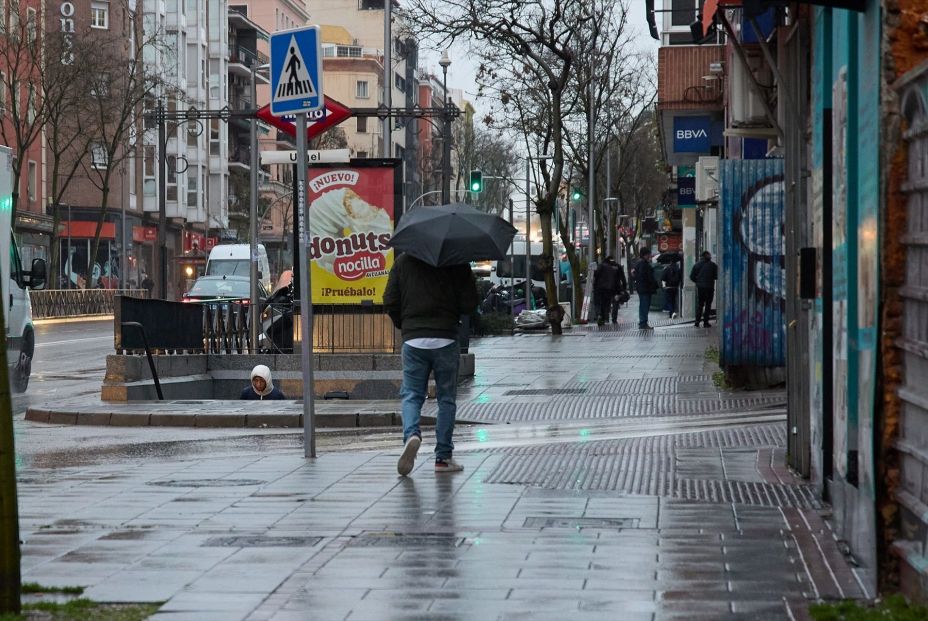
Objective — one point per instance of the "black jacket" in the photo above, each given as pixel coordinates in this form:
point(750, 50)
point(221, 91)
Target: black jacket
point(427, 302)
point(704, 274)
point(644, 277)
point(672, 276)
point(249, 394)
point(609, 277)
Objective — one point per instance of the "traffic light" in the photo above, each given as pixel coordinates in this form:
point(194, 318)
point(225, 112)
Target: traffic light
point(576, 195)
point(476, 181)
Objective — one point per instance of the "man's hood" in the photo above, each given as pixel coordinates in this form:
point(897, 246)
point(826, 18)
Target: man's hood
point(264, 373)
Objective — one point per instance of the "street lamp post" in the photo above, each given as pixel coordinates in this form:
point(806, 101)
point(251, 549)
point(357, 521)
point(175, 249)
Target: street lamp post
point(445, 62)
point(253, 215)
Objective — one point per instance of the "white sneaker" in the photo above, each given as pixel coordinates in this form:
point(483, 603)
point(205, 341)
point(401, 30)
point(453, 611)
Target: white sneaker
point(447, 465)
point(408, 458)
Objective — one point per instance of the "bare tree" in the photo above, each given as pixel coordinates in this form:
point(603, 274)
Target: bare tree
point(518, 43)
point(23, 107)
point(122, 84)
point(490, 152)
point(69, 66)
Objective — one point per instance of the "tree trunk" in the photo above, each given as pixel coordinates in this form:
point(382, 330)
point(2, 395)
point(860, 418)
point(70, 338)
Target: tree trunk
point(95, 246)
point(551, 283)
point(10, 577)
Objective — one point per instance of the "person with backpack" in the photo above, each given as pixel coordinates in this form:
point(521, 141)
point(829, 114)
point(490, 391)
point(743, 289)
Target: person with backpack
point(704, 274)
point(672, 276)
point(645, 285)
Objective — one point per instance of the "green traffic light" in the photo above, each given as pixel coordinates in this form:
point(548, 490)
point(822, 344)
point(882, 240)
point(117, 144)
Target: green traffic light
point(476, 181)
point(576, 195)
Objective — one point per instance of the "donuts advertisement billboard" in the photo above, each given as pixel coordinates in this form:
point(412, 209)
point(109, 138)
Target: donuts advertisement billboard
point(351, 218)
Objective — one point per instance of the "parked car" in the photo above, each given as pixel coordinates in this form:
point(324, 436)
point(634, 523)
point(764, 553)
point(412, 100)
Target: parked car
point(223, 289)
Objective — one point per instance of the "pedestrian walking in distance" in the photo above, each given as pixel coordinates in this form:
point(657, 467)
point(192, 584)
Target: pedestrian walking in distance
point(426, 304)
point(606, 285)
point(645, 285)
point(704, 274)
point(672, 277)
point(261, 387)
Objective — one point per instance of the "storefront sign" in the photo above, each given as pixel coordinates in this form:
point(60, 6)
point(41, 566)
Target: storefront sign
point(691, 134)
point(194, 241)
point(142, 234)
point(670, 242)
point(351, 221)
point(686, 192)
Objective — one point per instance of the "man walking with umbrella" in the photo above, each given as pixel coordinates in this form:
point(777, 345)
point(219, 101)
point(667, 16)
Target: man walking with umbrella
point(429, 288)
point(426, 303)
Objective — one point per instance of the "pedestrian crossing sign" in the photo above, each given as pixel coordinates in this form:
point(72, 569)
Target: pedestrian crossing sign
point(296, 71)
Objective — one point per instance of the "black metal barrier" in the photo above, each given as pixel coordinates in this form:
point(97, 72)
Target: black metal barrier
point(224, 328)
point(173, 327)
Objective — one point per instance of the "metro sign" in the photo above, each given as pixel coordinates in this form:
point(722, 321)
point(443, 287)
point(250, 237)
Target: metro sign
point(319, 121)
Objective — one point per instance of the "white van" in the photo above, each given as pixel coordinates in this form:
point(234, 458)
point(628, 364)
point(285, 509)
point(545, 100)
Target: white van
point(16, 282)
point(232, 260)
point(501, 273)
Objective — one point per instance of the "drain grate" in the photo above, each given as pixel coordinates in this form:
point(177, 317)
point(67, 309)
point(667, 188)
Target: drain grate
point(597, 406)
point(260, 541)
point(207, 483)
point(546, 391)
point(580, 523)
point(404, 540)
point(649, 466)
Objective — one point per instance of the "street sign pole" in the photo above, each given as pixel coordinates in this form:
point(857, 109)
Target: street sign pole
point(306, 306)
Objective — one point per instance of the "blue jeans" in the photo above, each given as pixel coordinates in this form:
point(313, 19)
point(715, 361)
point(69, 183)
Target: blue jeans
point(417, 365)
point(644, 305)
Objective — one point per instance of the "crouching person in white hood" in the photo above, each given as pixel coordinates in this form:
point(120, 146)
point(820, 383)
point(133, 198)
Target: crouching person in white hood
point(261, 386)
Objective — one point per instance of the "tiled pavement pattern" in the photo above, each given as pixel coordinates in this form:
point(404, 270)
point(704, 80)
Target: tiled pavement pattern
point(273, 536)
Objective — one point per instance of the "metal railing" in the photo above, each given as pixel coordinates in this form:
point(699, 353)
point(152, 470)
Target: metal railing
point(60, 303)
point(223, 328)
point(351, 329)
point(244, 56)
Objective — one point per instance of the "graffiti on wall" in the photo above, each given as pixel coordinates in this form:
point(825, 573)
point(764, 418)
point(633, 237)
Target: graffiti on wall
point(753, 271)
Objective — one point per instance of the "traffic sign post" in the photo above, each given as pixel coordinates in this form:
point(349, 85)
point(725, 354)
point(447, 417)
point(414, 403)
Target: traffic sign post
point(296, 88)
point(296, 71)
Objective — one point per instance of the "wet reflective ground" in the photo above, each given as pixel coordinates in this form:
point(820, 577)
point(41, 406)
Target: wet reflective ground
point(629, 494)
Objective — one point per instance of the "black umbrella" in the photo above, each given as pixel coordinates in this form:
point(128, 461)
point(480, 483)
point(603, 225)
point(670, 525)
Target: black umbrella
point(669, 257)
point(454, 234)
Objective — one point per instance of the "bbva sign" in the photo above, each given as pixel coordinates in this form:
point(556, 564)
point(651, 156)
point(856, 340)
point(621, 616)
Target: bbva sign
point(691, 134)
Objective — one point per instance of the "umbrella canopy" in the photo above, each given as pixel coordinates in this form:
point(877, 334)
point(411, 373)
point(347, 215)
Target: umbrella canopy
point(669, 257)
point(454, 234)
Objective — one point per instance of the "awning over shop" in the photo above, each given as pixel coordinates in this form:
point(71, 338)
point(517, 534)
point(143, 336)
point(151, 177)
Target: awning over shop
point(87, 230)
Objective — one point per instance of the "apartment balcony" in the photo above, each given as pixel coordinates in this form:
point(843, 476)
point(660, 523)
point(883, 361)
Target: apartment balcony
point(285, 140)
point(688, 78)
point(242, 59)
point(240, 157)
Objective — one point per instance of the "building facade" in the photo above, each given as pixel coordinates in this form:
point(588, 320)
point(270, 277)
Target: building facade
point(831, 224)
point(33, 226)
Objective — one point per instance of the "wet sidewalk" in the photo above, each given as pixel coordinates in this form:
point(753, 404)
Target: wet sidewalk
point(610, 480)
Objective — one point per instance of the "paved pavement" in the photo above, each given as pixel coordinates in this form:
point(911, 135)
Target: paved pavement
point(605, 479)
